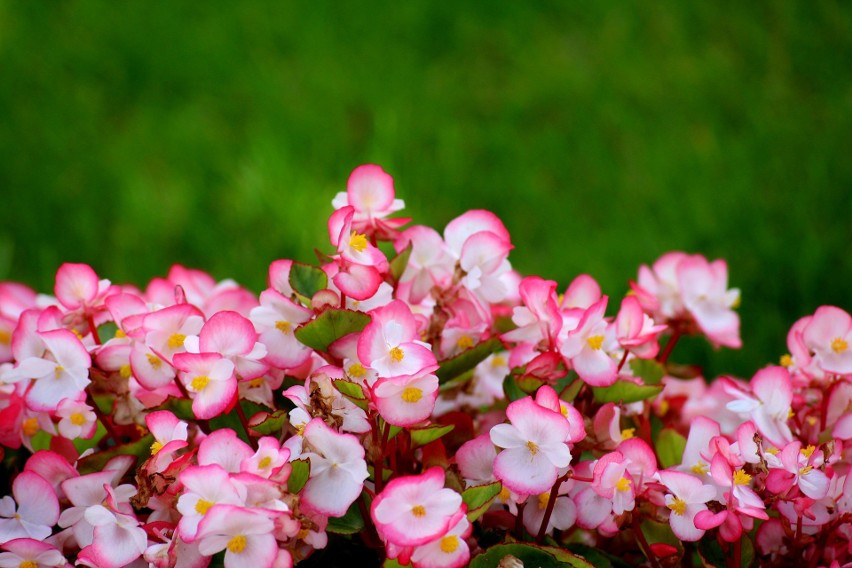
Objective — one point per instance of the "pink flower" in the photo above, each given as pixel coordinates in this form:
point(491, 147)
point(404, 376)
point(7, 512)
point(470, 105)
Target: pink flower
point(583, 346)
point(687, 497)
point(534, 447)
point(389, 343)
point(370, 192)
point(77, 419)
point(430, 263)
point(276, 319)
point(704, 289)
point(205, 486)
point(244, 534)
point(613, 482)
point(117, 540)
point(768, 404)
point(636, 331)
point(338, 469)
point(539, 318)
point(30, 553)
point(210, 377)
point(33, 511)
point(414, 510)
point(406, 400)
point(828, 335)
point(447, 551)
point(799, 468)
point(233, 337)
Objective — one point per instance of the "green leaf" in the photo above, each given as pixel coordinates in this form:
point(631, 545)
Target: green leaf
point(271, 424)
point(349, 523)
point(307, 280)
point(511, 388)
point(597, 557)
point(41, 440)
point(180, 407)
point(141, 449)
point(422, 436)
point(83, 444)
point(393, 563)
point(330, 326)
point(399, 262)
point(670, 445)
point(467, 360)
point(650, 371)
point(350, 390)
point(479, 498)
point(626, 391)
point(711, 553)
point(529, 384)
point(299, 475)
point(530, 555)
point(232, 420)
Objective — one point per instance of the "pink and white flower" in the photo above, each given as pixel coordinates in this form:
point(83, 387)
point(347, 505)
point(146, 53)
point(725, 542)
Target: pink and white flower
point(33, 511)
point(246, 536)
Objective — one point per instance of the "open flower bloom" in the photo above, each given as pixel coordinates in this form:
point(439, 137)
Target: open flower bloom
point(687, 497)
point(276, 319)
point(828, 335)
point(30, 553)
point(338, 469)
point(389, 343)
point(232, 336)
point(405, 401)
point(33, 511)
point(205, 486)
point(244, 534)
point(414, 510)
point(370, 192)
point(583, 346)
point(534, 447)
point(210, 377)
point(636, 331)
point(447, 551)
point(768, 404)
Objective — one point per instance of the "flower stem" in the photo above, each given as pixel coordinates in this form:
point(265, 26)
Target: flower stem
point(643, 544)
point(623, 360)
point(551, 502)
point(94, 329)
point(664, 356)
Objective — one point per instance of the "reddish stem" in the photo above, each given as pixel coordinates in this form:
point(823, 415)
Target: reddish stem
point(93, 328)
point(551, 502)
point(623, 360)
point(664, 356)
point(643, 544)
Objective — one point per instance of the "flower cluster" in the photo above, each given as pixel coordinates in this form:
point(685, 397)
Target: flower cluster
point(414, 397)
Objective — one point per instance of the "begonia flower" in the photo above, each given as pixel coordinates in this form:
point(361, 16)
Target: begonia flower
point(583, 346)
point(32, 512)
point(30, 553)
point(687, 497)
point(370, 192)
point(210, 378)
point(244, 534)
point(390, 345)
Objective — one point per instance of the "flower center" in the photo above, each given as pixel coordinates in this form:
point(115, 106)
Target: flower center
point(418, 511)
point(176, 340)
point(5, 337)
point(806, 470)
point(498, 361)
point(543, 498)
point(30, 427)
point(700, 468)
point(533, 447)
point(198, 383)
point(397, 354)
point(627, 433)
point(464, 342)
point(741, 477)
point(839, 345)
point(125, 371)
point(678, 506)
point(265, 462)
point(237, 544)
point(411, 395)
point(623, 484)
point(77, 419)
point(28, 564)
point(58, 372)
point(357, 371)
point(449, 544)
point(595, 341)
point(156, 447)
point(807, 451)
point(202, 506)
point(358, 241)
point(786, 361)
point(154, 361)
point(283, 326)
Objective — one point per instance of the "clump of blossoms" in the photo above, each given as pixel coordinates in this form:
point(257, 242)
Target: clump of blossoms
point(413, 400)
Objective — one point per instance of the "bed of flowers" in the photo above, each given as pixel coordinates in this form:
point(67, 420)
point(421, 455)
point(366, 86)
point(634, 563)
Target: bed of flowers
point(413, 401)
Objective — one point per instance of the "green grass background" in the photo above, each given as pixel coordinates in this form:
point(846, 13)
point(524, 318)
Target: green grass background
point(138, 134)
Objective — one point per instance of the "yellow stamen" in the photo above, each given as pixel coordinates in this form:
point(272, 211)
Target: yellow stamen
point(741, 477)
point(411, 395)
point(303, 534)
point(119, 334)
point(28, 564)
point(30, 427)
point(202, 506)
point(283, 326)
point(5, 337)
point(664, 407)
point(77, 419)
point(357, 371)
point(265, 462)
point(237, 544)
point(839, 345)
point(125, 371)
point(498, 361)
point(773, 451)
point(700, 468)
point(449, 543)
point(595, 341)
point(812, 420)
point(397, 354)
point(790, 413)
point(464, 342)
point(627, 433)
point(256, 383)
point(786, 361)
point(58, 371)
point(678, 506)
point(300, 429)
point(154, 361)
point(418, 511)
point(806, 470)
point(807, 451)
point(155, 448)
point(533, 447)
point(358, 241)
point(198, 383)
point(543, 498)
point(505, 494)
point(623, 484)
point(176, 341)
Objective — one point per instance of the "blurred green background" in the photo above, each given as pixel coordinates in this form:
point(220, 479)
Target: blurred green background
point(139, 134)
